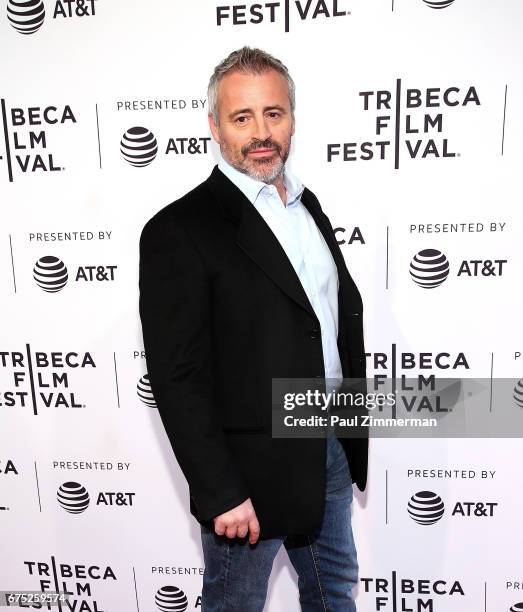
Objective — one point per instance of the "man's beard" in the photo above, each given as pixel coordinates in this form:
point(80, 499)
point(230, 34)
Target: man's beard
point(265, 170)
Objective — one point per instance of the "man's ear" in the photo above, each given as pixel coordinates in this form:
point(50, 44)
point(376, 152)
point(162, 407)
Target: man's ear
point(293, 126)
point(214, 128)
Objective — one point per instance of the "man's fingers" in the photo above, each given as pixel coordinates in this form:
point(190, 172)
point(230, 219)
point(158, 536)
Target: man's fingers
point(231, 531)
point(219, 527)
point(254, 531)
point(239, 530)
point(236, 522)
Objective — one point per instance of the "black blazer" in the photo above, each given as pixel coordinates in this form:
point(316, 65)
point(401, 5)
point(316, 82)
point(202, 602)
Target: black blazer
point(223, 312)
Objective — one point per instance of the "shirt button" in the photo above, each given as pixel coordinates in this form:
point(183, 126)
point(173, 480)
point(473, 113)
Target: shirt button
point(314, 334)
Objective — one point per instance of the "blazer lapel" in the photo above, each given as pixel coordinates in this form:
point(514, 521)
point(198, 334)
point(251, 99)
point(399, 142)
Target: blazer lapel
point(256, 238)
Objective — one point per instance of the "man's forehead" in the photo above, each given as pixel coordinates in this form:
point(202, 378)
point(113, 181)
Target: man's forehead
point(238, 83)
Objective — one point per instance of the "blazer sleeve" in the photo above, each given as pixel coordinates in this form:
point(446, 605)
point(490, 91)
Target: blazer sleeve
point(175, 312)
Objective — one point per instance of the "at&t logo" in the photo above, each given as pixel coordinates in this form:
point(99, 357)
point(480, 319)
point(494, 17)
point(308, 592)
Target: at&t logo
point(144, 391)
point(518, 394)
point(438, 4)
point(427, 508)
point(430, 268)
point(169, 597)
point(139, 147)
point(50, 274)
point(74, 498)
point(27, 16)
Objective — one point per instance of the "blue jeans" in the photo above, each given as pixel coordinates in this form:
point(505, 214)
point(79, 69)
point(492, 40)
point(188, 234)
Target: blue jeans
point(237, 573)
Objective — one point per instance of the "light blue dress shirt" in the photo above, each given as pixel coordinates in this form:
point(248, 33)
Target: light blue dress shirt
point(306, 249)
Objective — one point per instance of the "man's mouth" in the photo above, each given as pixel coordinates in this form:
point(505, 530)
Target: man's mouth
point(261, 152)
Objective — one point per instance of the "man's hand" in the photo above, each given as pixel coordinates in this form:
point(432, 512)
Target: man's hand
point(238, 522)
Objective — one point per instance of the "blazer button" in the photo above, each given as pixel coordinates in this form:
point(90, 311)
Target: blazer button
point(315, 334)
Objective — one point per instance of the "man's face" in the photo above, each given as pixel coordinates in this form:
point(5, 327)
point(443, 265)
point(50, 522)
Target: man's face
point(255, 123)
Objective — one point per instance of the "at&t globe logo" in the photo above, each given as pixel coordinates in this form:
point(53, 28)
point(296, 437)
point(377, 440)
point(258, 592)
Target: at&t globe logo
point(50, 274)
point(438, 4)
point(518, 607)
point(169, 598)
point(429, 268)
point(425, 508)
point(138, 146)
point(26, 16)
point(144, 391)
point(73, 497)
point(518, 394)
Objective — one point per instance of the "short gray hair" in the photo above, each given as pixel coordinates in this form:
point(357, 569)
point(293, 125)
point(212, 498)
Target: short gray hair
point(250, 61)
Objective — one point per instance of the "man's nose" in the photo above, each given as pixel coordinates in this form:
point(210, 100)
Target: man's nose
point(261, 129)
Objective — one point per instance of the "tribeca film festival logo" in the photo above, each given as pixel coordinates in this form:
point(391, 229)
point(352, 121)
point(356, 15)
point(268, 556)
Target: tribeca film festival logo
point(278, 12)
point(28, 16)
point(51, 275)
point(349, 236)
point(73, 579)
point(139, 146)
point(7, 470)
point(26, 143)
point(418, 134)
point(430, 268)
point(413, 595)
point(413, 377)
point(74, 498)
point(41, 380)
point(427, 508)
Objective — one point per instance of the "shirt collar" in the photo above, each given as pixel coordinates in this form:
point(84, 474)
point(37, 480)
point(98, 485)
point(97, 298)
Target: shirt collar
point(251, 187)
point(293, 186)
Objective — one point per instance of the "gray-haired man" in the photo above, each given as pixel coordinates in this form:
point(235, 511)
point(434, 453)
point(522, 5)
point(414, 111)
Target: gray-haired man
point(242, 281)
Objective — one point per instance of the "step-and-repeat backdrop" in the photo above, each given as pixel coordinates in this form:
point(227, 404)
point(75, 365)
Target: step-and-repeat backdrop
point(409, 130)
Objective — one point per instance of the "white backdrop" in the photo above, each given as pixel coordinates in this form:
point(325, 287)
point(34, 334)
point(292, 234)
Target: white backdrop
point(77, 420)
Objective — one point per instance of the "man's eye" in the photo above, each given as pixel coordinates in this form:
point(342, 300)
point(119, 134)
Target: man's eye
point(274, 114)
point(241, 119)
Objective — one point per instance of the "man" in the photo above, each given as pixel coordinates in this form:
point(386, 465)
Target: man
point(242, 281)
